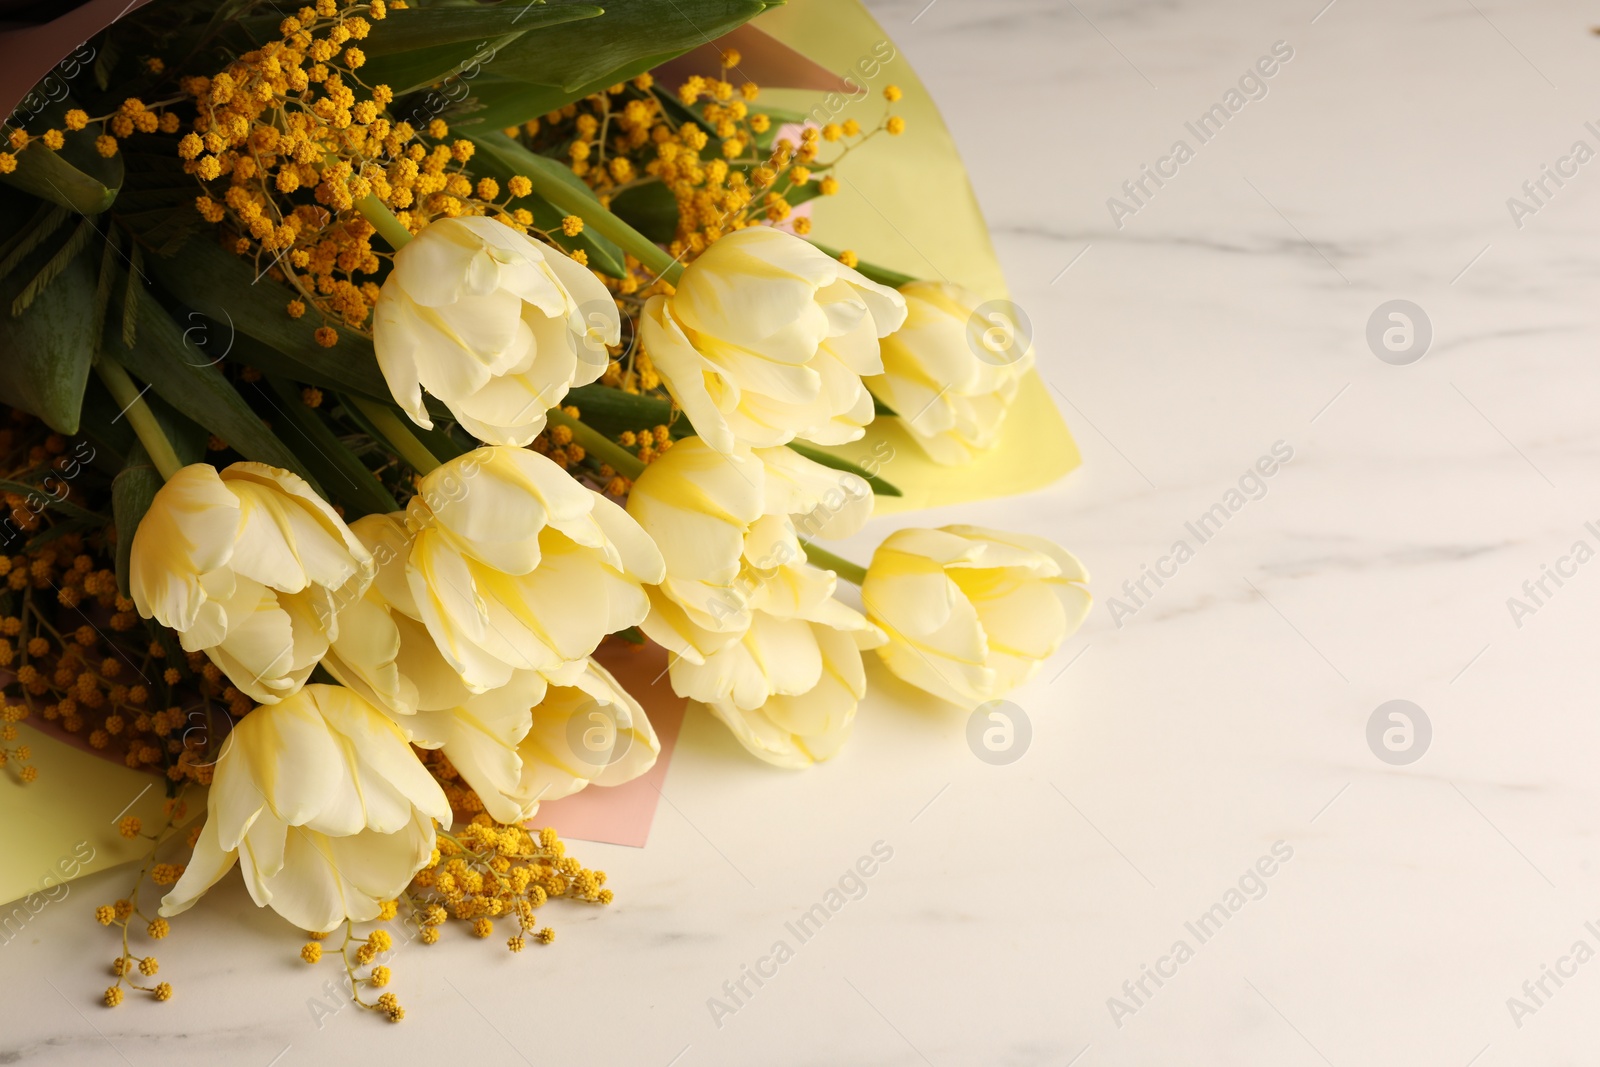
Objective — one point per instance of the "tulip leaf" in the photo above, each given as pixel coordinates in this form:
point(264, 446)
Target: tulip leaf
point(226, 289)
point(113, 439)
point(649, 208)
point(132, 492)
point(407, 31)
point(76, 176)
point(338, 468)
point(611, 411)
point(576, 56)
point(179, 371)
point(48, 349)
point(499, 103)
point(501, 157)
point(880, 486)
point(414, 48)
point(542, 71)
point(439, 445)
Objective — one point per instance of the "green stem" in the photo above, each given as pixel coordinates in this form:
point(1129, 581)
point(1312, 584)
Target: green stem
point(894, 279)
point(140, 417)
point(850, 572)
point(574, 201)
point(383, 220)
point(599, 445)
point(397, 433)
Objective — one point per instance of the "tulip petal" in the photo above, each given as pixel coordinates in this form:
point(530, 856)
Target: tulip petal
point(207, 864)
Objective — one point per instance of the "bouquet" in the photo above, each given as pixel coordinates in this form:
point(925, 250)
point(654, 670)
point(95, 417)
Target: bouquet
point(369, 367)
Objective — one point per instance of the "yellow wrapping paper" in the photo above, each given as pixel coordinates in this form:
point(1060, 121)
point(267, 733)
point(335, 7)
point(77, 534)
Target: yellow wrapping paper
point(64, 825)
point(905, 204)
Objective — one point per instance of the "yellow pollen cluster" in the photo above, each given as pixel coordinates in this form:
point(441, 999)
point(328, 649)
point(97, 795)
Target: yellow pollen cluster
point(289, 141)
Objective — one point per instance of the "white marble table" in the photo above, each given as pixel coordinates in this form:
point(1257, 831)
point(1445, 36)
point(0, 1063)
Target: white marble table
point(1229, 711)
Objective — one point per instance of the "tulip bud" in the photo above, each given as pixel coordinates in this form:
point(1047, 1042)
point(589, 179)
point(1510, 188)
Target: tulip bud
point(493, 323)
point(971, 613)
point(249, 566)
point(323, 805)
point(767, 339)
point(952, 371)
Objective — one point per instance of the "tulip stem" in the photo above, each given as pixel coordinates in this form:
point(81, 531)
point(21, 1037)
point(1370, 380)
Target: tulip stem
point(567, 197)
point(383, 220)
point(397, 434)
point(599, 445)
point(140, 417)
point(850, 572)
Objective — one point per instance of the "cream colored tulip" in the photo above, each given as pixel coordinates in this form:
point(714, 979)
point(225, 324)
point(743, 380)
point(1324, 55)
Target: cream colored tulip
point(951, 372)
point(324, 807)
point(516, 749)
point(249, 566)
point(971, 613)
point(516, 566)
point(767, 339)
point(506, 742)
point(493, 323)
point(789, 686)
point(726, 526)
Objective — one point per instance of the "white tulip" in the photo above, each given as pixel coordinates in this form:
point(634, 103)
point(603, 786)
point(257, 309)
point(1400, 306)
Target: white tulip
point(324, 807)
point(507, 741)
point(516, 566)
point(950, 373)
point(249, 566)
point(493, 323)
point(789, 686)
point(767, 339)
point(727, 526)
point(516, 749)
point(971, 613)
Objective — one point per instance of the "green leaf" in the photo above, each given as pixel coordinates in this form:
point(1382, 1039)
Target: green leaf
point(105, 62)
point(880, 486)
point(573, 57)
point(649, 208)
point(105, 280)
point(130, 299)
point(542, 71)
point(413, 48)
point(180, 373)
point(113, 438)
point(498, 161)
point(65, 507)
point(611, 411)
point(338, 468)
point(132, 492)
point(47, 351)
point(76, 177)
point(500, 103)
point(224, 288)
point(157, 200)
point(354, 413)
point(58, 261)
point(45, 221)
